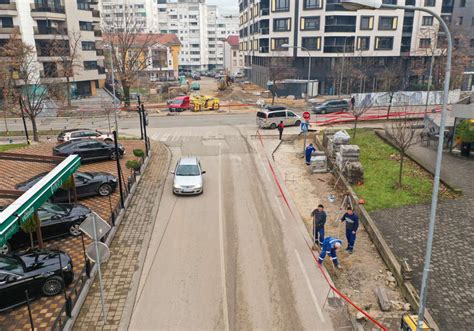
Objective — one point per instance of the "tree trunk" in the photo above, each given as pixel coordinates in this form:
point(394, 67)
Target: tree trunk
point(126, 94)
point(400, 175)
point(34, 128)
point(68, 91)
point(355, 127)
point(32, 243)
point(39, 234)
point(5, 119)
point(389, 105)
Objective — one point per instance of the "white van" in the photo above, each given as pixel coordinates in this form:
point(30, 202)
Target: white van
point(271, 116)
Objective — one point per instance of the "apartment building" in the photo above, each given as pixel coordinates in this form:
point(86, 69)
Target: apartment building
point(200, 28)
point(233, 57)
point(41, 23)
point(336, 41)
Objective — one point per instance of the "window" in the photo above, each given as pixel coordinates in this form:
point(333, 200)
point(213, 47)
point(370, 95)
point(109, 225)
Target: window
point(277, 42)
point(425, 42)
point(281, 24)
point(340, 24)
point(338, 44)
point(277, 114)
point(310, 23)
point(430, 3)
point(85, 26)
point(460, 20)
point(389, 2)
point(388, 23)
point(311, 43)
point(6, 22)
point(363, 43)
point(311, 4)
point(462, 3)
point(280, 5)
point(334, 5)
point(383, 43)
point(90, 65)
point(427, 21)
point(471, 43)
point(366, 22)
point(88, 45)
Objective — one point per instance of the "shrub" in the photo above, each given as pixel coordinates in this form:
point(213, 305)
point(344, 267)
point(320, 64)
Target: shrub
point(139, 153)
point(133, 165)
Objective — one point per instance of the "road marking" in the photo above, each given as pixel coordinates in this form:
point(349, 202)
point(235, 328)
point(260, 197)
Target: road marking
point(279, 206)
point(311, 291)
point(221, 242)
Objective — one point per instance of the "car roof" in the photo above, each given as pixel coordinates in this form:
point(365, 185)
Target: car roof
point(72, 130)
point(330, 100)
point(272, 108)
point(188, 160)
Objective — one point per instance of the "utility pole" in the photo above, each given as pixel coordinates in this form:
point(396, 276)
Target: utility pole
point(140, 116)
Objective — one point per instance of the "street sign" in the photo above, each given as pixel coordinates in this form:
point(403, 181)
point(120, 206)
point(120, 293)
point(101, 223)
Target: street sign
point(305, 126)
point(306, 115)
point(98, 248)
point(87, 226)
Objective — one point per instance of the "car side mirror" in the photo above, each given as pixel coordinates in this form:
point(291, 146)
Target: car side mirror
point(203, 172)
point(172, 172)
point(11, 278)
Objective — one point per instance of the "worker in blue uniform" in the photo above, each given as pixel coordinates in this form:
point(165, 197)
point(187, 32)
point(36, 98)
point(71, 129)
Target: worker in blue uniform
point(308, 151)
point(352, 224)
point(330, 246)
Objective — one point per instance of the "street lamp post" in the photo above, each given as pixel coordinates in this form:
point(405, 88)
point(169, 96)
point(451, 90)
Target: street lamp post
point(309, 66)
point(113, 85)
point(375, 4)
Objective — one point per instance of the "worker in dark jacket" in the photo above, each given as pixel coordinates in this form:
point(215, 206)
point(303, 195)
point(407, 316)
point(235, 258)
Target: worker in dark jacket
point(308, 151)
point(352, 224)
point(281, 126)
point(330, 246)
point(319, 220)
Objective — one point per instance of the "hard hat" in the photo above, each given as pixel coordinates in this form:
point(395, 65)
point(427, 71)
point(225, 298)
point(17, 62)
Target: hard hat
point(337, 245)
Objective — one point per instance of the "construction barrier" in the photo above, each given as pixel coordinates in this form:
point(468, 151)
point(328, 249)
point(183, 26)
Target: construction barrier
point(332, 288)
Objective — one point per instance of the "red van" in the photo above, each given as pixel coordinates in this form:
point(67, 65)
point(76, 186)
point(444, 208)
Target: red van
point(180, 104)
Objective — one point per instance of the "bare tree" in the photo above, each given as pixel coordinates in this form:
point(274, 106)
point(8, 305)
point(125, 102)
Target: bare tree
point(279, 70)
point(67, 50)
point(28, 89)
point(130, 49)
point(403, 134)
point(360, 109)
point(390, 78)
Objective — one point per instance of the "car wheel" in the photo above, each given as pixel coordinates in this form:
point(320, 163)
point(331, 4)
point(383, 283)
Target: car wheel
point(273, 126)
point(74, 230)
point(5, 248)
point(52, 286)
point(113, 156)
point(105, 190)
point(298, 123)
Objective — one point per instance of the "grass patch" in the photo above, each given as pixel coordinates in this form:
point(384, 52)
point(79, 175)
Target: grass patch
point(30, 133)
point(4, 148)
point(381, 168)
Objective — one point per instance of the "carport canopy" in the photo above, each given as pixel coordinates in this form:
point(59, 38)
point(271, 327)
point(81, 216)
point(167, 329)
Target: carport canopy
point(22, 208)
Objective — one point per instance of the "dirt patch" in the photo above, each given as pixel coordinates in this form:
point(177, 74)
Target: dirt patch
point(364, 270)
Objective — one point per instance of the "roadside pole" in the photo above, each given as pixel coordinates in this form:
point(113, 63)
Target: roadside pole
point(99, 271)
point(305, 127)
point(140, 116)
point(147, 148)
point(119, 170)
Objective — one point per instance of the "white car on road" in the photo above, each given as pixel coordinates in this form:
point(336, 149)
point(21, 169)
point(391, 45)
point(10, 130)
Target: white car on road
point(188, 177)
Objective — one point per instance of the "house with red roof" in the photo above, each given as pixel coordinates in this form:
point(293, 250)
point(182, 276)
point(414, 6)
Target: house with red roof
point(233, 57)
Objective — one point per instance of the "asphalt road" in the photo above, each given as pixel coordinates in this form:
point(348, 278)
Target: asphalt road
point(233, 258)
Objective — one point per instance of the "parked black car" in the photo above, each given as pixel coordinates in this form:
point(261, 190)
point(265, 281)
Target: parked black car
point(331, 106)
point(87, 184)
point(88, 149)
point(56, 220)
point(37, 271)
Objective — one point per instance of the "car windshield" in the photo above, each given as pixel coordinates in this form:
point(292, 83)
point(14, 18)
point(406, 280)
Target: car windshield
point(177, 102)
point(188, 170)
point(10, 264)
point(54, 208)
point(83, 175)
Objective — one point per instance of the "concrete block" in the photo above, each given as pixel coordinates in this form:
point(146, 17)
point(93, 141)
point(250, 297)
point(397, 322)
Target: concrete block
point(349, 150)
point(382, 297)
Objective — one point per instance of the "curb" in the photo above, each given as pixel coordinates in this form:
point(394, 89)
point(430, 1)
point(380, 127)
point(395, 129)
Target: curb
point(407, 288)
point(130, 303)
point(69, 325)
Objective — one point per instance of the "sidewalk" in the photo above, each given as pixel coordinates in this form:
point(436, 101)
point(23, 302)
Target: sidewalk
point(450, 289)
point(129, 240)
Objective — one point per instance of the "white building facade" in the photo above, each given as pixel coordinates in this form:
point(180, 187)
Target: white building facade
point(200, 28)
point(42, 24)
point(326, 32)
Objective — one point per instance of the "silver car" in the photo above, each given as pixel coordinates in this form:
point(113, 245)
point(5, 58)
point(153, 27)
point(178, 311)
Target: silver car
point(188, 177)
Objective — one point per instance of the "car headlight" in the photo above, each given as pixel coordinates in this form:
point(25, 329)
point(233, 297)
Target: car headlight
point(113, 179)
point(68, 267)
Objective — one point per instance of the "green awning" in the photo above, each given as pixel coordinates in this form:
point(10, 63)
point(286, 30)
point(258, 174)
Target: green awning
point(23, 207)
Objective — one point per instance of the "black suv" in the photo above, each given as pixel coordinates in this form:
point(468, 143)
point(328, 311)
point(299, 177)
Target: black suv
point(88, 150)
point(331, 106)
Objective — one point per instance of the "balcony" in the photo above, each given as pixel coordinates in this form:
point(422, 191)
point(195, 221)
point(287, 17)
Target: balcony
point(42, 30)
point(340, 28)
point(8, 6)
point(8, 29)
point(47, 9)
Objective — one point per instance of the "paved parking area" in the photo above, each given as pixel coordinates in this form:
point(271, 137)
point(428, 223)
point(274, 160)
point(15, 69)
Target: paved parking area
point(450, 292)
point(45, 310)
